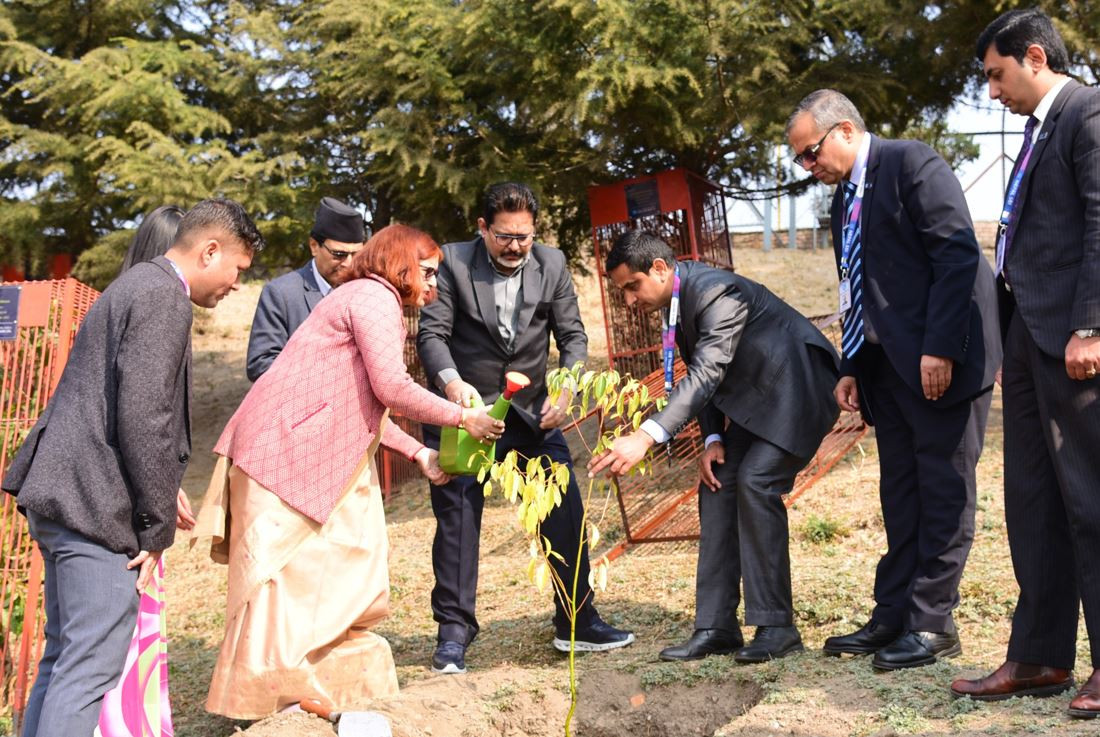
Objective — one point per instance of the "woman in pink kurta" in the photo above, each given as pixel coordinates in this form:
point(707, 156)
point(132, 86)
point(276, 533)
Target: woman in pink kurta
point(294, 505)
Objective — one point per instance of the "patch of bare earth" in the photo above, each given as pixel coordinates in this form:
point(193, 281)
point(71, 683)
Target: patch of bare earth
point(517, 684)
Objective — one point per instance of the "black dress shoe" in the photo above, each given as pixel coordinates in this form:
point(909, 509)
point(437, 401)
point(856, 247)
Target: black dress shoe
point(869, 638)
point(914, 649)
point(770, 643)
point(703, 643)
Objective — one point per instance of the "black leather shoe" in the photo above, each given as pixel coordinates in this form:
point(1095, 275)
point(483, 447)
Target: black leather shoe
point(770, 643)
point(914, 649)
point(869, 638)
point(703, 643)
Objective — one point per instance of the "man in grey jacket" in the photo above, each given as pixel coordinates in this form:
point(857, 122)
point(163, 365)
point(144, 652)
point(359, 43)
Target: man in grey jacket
point(760, 379)
point(501, 297)
point(98, 474)
point(286, 301)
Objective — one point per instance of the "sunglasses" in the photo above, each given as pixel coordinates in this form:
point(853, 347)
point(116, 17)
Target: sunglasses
point(809, 155)
point(338, 255)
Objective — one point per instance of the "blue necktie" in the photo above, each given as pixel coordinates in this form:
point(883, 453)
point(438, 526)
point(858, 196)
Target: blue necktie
point(852, 338)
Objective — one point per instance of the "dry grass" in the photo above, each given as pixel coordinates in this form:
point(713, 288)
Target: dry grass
point(651, 591)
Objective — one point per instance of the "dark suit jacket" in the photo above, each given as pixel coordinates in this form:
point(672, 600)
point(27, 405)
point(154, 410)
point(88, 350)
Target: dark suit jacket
point(1053, 262)
point(752, 358)
point(107, 455)
point(285, 303)
point(459, 329)
point(927, 289)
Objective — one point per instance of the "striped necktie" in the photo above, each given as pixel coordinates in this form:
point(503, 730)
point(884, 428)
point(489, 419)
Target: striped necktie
point(852, 338)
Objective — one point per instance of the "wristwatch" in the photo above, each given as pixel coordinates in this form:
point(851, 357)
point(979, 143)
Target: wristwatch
point(1087, 333)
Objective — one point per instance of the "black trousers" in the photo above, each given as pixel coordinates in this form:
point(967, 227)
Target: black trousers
point(743, 534)
point(927, 459)
point(1052, 501)
point(458, 506)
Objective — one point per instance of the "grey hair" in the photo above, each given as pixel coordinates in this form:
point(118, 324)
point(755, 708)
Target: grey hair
point(828, 108)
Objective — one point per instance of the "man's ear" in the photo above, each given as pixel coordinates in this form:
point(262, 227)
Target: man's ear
point(1036, 57)
point(660, 268)
point(209, 251)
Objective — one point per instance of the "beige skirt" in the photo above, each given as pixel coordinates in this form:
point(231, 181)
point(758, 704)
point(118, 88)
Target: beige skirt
point(302, 596)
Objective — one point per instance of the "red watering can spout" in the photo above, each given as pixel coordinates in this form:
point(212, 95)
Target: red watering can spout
point(514, 381)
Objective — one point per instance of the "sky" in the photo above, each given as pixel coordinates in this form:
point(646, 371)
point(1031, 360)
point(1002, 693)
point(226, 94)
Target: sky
point(981, 179)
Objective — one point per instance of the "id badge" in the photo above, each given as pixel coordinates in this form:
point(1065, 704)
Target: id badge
point(845, 294)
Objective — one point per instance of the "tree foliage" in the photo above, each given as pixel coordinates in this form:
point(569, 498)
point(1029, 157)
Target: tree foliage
point(409, 109)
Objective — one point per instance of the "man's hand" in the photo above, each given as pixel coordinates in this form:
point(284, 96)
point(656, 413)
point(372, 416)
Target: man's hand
point(847, 394)
point(553, 415)
point(459, 392)
point(623, 454)
point(713, 453)
point(148, 560)
point(998, 376)
point(185, 520)
point(428, 460)
point(935, 375)
point(1083, 358)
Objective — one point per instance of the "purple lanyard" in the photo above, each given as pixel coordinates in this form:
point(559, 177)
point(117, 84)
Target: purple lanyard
point(668, 330)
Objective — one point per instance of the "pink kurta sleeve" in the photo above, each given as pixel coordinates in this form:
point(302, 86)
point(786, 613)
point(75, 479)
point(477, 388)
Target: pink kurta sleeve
point(379, 330)
point(399, 441)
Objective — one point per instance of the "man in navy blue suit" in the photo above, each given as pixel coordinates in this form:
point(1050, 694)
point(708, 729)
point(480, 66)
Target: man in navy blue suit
point(919, 351)
point(286, 302)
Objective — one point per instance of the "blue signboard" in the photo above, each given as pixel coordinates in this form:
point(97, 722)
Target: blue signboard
point(9, 311)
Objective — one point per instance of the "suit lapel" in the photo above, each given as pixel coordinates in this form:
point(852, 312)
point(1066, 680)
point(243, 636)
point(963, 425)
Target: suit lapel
point(482, 273)
point(532, 291)
point(312, 291)
point(1045, 134)
point(874, 156)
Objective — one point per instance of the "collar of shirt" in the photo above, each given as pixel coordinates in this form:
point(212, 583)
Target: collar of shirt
point(323, 286)
point(862, 157)
point(179, 273)
point(1042, 110)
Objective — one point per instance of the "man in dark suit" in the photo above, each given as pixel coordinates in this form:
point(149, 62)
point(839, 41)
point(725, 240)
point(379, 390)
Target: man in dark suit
point(500, 298)
point(760, 379)
point(98, 474)
point(919, 351)
point(285, 302)
point(1049, 288)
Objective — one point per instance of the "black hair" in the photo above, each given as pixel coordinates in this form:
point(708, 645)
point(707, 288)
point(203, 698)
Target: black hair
point(509, 197)
point(225, 214)
point(154, 236)
point(638, 249)
point(1012, 32)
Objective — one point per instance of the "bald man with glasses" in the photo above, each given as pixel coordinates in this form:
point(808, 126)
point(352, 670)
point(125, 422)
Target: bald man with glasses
point(338, 234)
point(919, 350)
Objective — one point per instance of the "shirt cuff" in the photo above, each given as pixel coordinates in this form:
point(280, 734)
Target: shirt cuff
point(655, 431)
point(712, 438)
point(445, 377)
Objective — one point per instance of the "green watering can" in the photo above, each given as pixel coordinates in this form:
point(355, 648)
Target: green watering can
point(459, 453)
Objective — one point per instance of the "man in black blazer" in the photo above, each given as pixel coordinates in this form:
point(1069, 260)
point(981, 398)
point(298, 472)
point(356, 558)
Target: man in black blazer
point(1049, 289)
point(760, 379)
point(500, 298)
point(286, 301)
point(98, 474)
point(919, 353)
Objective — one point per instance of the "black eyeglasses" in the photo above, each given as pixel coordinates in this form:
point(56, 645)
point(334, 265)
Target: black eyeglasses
point(338, 255)
point(428, 272)
point(504, 239)
point(809, 155)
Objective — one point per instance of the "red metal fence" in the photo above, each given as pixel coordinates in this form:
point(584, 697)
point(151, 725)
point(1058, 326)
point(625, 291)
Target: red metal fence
point(50, 312)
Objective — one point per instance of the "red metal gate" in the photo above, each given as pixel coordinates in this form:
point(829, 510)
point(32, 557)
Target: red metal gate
point(50, 312)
